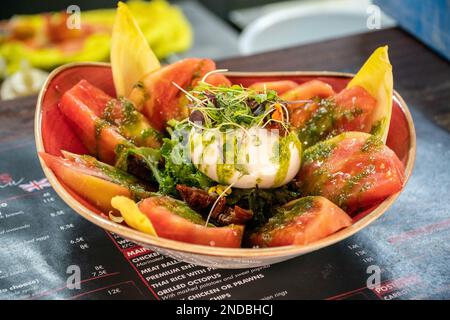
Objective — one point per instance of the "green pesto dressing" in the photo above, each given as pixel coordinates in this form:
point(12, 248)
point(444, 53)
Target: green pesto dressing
point(354, 181)
point(118, 176)
point(284, 152)
point(144, 93)
point(150, 133)
point(205, 142)
point(322, 124)
point(225, 172)
point(286, 214)
point(372, 144)
point(227, 168)
point(128, 114)
point(99, 125)
point(319, 152)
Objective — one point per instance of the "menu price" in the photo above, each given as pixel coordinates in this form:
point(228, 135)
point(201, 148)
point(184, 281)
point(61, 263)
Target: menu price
point(47, 251)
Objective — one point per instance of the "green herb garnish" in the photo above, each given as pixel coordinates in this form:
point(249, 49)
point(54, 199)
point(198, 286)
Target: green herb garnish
point(235, 107)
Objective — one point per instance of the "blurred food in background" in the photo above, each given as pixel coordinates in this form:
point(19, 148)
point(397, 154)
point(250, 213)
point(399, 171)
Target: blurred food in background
point(43, 41)
point(23, 82)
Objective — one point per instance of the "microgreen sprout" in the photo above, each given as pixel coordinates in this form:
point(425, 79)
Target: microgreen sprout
point(224, 108)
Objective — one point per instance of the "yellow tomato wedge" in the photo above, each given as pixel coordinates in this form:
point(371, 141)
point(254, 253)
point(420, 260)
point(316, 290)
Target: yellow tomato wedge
point(82, 180)
point(132, 215)
point(375, 77)
point(131, 55)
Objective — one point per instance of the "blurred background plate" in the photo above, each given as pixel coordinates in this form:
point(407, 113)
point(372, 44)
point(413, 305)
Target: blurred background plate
point(300, 22)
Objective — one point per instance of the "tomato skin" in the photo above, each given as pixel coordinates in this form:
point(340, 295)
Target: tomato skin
point(309, 90)
point(308, 224)
point(302, 112)
point(171, 226)
point(353, 169)
point(160, 100)
point(85, 181)
point(351, 98)
point(218, 79)
point(280, 86)
point(93, 97)
point(329, 114)
point(99, 137)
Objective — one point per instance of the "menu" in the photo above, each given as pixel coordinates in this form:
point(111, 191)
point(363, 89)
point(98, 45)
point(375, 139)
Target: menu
point(47, 251)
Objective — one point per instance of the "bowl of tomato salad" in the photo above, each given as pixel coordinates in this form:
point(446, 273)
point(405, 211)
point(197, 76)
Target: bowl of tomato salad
point(219, 168)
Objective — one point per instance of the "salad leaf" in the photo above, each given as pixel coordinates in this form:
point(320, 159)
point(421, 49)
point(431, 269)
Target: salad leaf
point(168, 166)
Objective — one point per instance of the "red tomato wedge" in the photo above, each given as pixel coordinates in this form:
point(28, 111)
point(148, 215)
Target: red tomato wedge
point(217, 79)
point(118, 112)
point(353, 169)
point(99, 137)
point(88, 182)
point(174, 220)
point(280, 86)
point(302, 112)
point(301, 222)
point(93, 97)
point(358, 104)
point(160, 100)
point(328, 114)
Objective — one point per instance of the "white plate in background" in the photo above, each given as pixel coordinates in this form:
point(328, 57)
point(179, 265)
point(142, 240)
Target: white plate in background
point(287, 24)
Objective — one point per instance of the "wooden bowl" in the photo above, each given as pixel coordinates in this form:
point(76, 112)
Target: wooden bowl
point(53, 134)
